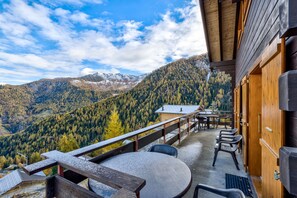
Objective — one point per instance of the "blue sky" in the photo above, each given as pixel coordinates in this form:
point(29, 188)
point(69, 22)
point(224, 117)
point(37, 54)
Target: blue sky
point(69, 38)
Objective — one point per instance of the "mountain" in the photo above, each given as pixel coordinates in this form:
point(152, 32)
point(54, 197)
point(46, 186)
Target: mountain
point(21, 105)
point(104, 81)
point(186, 81)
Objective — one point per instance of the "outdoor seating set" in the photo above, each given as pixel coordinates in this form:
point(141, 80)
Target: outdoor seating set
point(227, 141)
point(208, 116)
point(227, 135)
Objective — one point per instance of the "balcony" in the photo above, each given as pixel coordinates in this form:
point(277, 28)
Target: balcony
point(195, 149)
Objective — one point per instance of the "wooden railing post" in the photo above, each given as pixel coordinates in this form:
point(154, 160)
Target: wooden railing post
point(179, 131)
point(164, 134)
point(60, 171)
point(136, 143)
point(188, 130)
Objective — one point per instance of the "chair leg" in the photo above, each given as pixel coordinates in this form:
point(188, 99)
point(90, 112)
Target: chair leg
point(215, 156)
point(235, 160)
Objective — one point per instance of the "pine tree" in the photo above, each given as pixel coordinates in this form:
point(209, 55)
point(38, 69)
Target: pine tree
point(68, 143)
point(113, 129)
point(35, 157)
point(3, 161)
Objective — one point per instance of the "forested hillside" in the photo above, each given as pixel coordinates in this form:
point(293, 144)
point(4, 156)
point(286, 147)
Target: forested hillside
point(21, 105)
point(186, 81)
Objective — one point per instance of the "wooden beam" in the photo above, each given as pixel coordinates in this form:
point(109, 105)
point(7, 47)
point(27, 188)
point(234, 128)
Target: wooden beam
point(220, 28)
point(222, 63)
point(205, 28)
point(236, 29)
point(60, 187)
point(108, 176)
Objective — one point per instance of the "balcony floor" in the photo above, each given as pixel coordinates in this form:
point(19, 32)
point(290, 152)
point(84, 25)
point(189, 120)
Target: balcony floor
point(197, 152)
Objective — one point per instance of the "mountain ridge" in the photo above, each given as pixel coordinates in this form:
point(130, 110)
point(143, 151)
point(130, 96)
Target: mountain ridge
point(185, 81)
point(20, 105)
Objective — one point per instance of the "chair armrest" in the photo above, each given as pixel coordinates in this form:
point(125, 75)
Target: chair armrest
point(226, 136)
point(226, 133)
point(218, 191)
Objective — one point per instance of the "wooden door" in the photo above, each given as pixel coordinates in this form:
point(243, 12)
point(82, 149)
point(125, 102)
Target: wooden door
point(254, 115)
point(244, 120)
point(237, 108)
point(272, 127)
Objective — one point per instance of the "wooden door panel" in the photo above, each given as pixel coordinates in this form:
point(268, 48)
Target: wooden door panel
point(270, 187)
point(254, 115)
point(244, 120)
point(238, 105)
point(272, 117)
point(272, 127)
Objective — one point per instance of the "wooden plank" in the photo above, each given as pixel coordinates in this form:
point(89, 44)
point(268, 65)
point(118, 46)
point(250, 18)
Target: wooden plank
point(97, 172)
point(244, 120)
point(228, 19)
point(272, 50)
point(59, 187)
point(201, 3)
point(254, 115)
point(236, 30)
point(120, 150)
point(270, 186)
point(172, 140)
point(272, 127)
point(142, 142)
point(171, 128)
point(39, 166)
point(222, 63)
point(220, 28)
point(212, 21)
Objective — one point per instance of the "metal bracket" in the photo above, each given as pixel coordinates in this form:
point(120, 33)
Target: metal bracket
point(276, 175)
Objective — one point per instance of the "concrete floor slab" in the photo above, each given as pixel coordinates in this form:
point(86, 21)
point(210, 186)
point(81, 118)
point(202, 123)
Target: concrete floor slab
point(197, 151)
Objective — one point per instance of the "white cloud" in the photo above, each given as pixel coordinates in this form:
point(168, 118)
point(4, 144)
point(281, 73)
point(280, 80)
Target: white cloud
point(142, 49)
point(71, 2)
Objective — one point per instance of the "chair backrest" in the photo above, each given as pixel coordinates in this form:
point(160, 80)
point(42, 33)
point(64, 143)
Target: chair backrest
point(165, 149)
point(230, 193)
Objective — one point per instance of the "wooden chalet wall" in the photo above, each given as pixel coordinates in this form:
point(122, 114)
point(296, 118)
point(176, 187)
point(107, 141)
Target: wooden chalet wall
point(291, 116)
point(261, 27)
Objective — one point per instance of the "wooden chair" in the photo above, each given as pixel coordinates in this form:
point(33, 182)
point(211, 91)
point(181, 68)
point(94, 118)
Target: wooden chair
point(165, 149)
point(229, 146)
point(231, 193)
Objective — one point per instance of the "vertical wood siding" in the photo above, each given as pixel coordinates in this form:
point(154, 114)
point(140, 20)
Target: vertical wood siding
point(261, 28)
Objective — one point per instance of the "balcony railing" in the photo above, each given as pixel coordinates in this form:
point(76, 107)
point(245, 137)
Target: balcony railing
point(77, 169)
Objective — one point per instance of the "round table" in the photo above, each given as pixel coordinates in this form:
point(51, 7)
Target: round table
point(165, 175)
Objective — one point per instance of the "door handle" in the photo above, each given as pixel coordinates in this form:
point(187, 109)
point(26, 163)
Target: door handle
point(268, 129)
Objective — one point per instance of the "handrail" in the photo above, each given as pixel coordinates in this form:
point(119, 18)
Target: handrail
point(36, 167)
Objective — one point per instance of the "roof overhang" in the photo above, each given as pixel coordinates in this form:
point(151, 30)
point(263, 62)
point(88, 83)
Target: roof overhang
point(220, 27)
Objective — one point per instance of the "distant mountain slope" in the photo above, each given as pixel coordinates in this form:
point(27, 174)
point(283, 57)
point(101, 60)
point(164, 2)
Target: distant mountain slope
point(186, 81)
point(23, 104)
